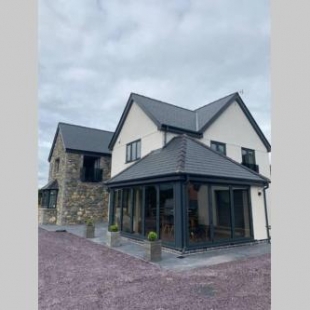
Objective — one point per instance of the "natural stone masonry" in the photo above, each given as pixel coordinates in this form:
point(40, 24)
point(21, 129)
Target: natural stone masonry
point(47, 216)
point(76, 200)
point(58, 153)
point(84, 199)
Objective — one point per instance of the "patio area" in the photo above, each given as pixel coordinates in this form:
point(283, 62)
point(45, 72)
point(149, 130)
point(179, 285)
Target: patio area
point(171, 260)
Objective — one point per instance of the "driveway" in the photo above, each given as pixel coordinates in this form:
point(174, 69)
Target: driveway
point(75, 273)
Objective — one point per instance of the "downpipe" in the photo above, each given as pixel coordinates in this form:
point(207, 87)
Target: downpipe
point(266, 213)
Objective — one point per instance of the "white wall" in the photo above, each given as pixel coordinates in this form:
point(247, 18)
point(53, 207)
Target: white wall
point(137, 126)
point(258, 213)
point(234, 129)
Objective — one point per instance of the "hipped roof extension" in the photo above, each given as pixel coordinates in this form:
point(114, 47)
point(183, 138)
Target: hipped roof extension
point(185, 155)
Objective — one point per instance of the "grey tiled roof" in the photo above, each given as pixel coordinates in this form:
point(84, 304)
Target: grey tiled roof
point(207, 112)
point(85, 139)
point(51, 185)
point(185, 155)
point(167, 114)
point(176, 119)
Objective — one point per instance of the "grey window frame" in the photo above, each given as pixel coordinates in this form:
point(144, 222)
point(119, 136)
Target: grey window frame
point(247, 151)
point(216, 143)
point(133, 151)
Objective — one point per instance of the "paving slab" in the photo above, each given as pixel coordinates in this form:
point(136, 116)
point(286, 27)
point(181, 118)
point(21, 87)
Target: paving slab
point(170, 260)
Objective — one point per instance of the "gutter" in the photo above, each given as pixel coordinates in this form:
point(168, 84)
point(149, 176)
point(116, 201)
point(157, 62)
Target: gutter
point(266, 214)
point(184, 224)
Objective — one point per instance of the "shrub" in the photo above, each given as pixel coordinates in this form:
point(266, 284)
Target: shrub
point(90, 222)
point(152, 236)
point(113, 228)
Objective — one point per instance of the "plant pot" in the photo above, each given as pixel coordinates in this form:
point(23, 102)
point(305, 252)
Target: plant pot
point(152, 250)
point(90, 231)
point(113, 238)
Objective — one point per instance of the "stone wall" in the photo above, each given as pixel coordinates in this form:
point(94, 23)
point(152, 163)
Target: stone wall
point(47, 215)
point(84, 199)
point(76, 200)
point(59, 153)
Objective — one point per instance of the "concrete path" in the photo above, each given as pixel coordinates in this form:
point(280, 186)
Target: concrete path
point(170, 260)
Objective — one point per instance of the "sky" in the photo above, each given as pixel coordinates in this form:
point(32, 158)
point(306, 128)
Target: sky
point(94, 53)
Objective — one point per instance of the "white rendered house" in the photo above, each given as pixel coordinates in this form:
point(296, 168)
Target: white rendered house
point(199, 178)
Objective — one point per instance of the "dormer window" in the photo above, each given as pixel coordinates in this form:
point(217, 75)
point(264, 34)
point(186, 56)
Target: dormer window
point(133, 151)
point(218, 147)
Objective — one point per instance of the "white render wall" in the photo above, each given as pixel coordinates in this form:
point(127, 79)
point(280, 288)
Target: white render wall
point(234, 129)
point(137, 126)
point(258, 213)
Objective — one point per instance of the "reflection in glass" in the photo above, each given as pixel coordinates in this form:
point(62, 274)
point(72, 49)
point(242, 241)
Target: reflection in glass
point(198, 214)
point(241, 213)
point(126, 219)
point(116, 219)
point(137, 210)
point(221, 212)
point(166, 212)
point(150, 209)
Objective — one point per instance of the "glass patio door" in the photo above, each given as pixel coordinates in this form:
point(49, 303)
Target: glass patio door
point(222, 212)
point(242, 214)
point(151, 210)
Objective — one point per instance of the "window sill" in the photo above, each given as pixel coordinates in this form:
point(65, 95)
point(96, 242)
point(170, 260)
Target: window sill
point(132, 161)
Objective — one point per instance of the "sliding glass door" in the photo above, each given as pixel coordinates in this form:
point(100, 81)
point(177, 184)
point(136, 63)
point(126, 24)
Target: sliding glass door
point(217, 214)
point(221, 213)
point(139, 210)
point(242, 213)
point(198, 214)
point(166, 212)
point(150, 211)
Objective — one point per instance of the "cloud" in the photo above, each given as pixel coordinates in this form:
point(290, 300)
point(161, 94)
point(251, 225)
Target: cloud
point(92, 54)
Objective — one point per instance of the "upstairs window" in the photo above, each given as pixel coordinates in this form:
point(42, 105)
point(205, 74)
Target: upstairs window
point(91, 172)
point(219, 147)
point(248, 159)
point(133, 151)
point(56, 166)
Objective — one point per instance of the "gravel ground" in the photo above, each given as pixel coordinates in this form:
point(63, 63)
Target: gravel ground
point(75, 273)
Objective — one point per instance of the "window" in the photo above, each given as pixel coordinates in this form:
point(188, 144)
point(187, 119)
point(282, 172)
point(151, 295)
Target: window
point(219, 147)
point(248, 159)
point(49, 198)
point(56, 167)
point(91, 172)
point(133, 151)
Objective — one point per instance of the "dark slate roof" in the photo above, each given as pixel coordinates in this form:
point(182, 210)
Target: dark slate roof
point(171, 117)
point(185, 155)
point(51, 185)
point(207, 112)
point(83, 139)
point(165, 113)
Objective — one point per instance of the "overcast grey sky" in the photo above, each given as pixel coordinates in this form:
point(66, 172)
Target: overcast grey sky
point(93, 53)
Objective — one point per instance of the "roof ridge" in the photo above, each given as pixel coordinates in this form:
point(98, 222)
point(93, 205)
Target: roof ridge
point(62, 123)
point(171, 104)
point(215, 101)
point(181, 154)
